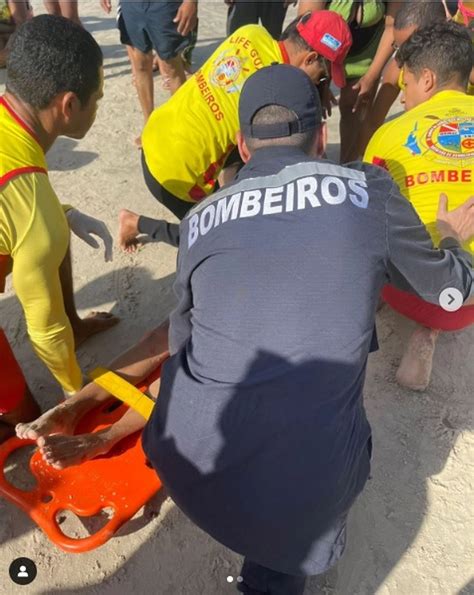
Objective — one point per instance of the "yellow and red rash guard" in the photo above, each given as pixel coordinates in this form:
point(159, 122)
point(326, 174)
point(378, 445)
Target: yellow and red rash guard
point(34, 238)
point(187, 139)
point(429, 150)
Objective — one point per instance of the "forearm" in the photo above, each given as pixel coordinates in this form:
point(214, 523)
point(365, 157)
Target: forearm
point(159, 230)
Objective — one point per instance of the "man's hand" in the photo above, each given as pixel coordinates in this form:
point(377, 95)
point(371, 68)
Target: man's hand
point(457, 224)
point(106, 5)
point(327, 98)
point(84, 227)
point(364, 87)
point(186, 17)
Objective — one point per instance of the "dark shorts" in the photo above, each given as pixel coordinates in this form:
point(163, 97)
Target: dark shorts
point(149, 25)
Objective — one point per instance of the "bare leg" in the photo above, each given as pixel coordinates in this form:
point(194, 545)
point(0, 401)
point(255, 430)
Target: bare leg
point(228, 174)
point(173, 73)
point(351, 124)
point(134, 365)
point(128, 230)
point(142, 68)
point(52, 6)
point(95, 322)
point(414, 371)
point(69, 10)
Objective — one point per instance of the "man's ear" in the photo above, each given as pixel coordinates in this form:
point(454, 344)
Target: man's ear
point(310, 58)
point(69, 105)
point(428, 80)
point(243, 149)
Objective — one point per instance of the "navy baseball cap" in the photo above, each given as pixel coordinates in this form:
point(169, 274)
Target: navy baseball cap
point(283, 85)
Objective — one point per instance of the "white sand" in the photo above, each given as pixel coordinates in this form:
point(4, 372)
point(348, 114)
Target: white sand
point(411, 531)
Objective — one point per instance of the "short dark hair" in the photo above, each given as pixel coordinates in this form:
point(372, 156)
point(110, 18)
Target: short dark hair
point(49, 55)
point(276, 114)
point(291, 34)
point(419, 13)
point(445, 48)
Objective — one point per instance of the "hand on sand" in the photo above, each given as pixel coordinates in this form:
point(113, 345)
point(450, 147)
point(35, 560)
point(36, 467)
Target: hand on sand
point(93, 323)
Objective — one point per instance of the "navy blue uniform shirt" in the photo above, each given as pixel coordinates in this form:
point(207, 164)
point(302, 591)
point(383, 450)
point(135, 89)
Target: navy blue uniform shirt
point(259, 432)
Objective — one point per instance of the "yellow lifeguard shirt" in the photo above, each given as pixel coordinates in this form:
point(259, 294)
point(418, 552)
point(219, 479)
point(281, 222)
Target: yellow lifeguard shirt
point(429, 150)
point(34, 238)
point(187, 139)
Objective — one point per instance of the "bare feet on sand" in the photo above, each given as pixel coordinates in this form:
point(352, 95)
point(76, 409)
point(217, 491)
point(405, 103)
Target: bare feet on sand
point(415, 368)
point(61, 451)
point(93, 323)
point(128, 231)
point(62, 418)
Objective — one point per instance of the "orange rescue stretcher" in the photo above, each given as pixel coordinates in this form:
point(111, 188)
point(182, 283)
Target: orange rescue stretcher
point(122, 479)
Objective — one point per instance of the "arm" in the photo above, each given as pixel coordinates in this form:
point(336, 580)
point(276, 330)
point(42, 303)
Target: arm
point(39, 239)
point(384, 51)
point(414, 264)
point(310, 5)
point(385, 98)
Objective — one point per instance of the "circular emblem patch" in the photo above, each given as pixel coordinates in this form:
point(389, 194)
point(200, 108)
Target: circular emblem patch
point(453, 138)
point(227, 69)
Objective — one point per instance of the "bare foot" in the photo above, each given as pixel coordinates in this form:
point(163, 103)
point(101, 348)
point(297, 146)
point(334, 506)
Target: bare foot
point(414, 371)
point(128, 231)
point(93, 323)
point(62, 418)
point(138, 142)
point(61, 451)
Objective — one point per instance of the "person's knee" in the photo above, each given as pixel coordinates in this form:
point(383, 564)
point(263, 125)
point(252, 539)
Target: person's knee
point(172, 68)
point(141, 62)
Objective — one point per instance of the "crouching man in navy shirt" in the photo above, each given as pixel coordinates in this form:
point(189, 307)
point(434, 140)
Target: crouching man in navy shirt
point(259, 432)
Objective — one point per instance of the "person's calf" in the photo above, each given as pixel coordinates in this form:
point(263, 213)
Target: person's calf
point(173, 73)
point(415, 368)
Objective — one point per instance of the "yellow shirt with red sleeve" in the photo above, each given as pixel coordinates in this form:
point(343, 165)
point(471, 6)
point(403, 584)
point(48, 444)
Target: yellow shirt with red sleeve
point(34, 238)
point(429, 150)
point(187, 139)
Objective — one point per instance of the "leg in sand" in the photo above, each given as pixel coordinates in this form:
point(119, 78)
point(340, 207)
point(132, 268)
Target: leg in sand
point(142, 68)
point(95, 322)
point(173, 73)
point(53, 429)
point(64, 8)
point(351, 124)
point(414, 371)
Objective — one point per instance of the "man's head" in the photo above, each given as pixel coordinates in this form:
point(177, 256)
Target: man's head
point(55, 65)
point(316, 39)
point(416, 15)
point(280, 106)
point(435, 58)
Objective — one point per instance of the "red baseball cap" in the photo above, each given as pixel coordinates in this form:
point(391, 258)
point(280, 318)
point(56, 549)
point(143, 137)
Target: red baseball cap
point(329, 35)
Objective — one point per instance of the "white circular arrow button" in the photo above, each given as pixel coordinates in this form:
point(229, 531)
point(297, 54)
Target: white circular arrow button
point(451, 299)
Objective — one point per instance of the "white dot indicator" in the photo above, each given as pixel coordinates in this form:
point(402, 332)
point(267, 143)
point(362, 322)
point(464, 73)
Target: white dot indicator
point(451, 299)
point(240, 579)
point(230, 579)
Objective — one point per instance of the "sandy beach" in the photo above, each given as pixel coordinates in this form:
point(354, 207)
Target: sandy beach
point(411, 531)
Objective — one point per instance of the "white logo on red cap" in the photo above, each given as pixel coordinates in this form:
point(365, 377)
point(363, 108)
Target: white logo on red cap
point(331, 42)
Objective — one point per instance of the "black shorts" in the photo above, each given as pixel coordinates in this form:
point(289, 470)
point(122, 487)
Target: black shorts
point(149, 25)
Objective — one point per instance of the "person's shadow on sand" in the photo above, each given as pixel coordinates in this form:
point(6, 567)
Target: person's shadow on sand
point(413, 437)
point(64, 156)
